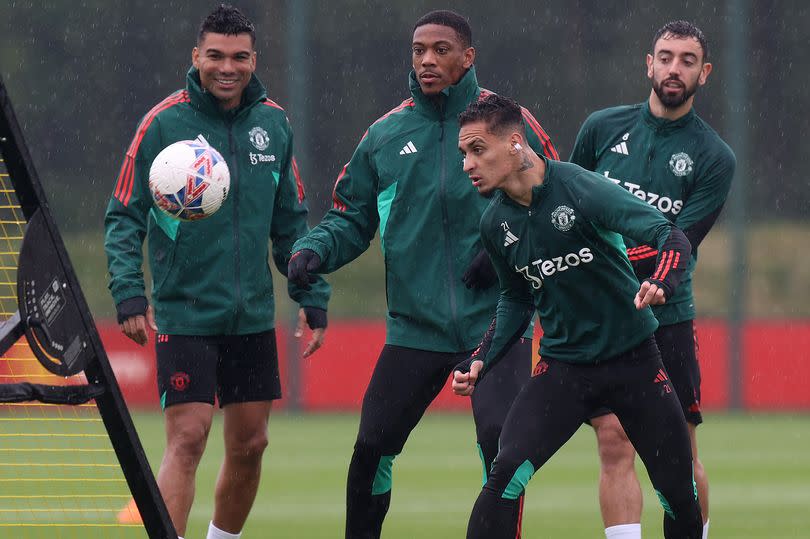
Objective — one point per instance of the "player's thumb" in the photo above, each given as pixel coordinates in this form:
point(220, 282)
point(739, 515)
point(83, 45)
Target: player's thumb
point(150, 318)
point(475, 369)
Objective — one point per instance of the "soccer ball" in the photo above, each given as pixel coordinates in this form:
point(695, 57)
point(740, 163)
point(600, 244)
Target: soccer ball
point(189, 179)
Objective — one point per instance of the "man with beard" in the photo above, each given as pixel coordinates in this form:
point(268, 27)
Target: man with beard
point(663, 153)
point(406, 179)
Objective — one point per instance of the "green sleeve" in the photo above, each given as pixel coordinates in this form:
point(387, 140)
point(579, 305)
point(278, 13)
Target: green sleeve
point(289, 224)
point(614, 209)
point(126, 219)
point(710, 192)
point(537, 138)
point(584, 153)
point(347, 229)
point(515, 306)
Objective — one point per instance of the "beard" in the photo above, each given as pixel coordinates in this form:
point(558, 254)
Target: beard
point(673, 101)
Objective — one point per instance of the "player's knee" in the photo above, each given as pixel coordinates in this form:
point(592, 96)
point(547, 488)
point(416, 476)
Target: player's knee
point(249, 447)
point(615, 450)
point(187, 443)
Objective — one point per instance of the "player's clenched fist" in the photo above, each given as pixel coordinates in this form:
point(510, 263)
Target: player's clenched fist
point(465, 375)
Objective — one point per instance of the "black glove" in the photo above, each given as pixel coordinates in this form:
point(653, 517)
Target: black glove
point(316, 317)
point(131, 307)
point(480, 273)
point(301, 263)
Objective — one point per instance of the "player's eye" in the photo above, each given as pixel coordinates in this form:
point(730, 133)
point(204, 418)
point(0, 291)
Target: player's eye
point(442, 50)
point(418, 50)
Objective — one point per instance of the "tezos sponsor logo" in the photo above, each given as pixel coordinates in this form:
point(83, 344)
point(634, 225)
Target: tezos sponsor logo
point(256, 158)
point(663, 203)
point(563, 218)
point(680, 164)
point(557, 264)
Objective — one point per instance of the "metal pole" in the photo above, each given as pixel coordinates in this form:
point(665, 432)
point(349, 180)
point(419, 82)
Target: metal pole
point(298, 88)
point(738, 17)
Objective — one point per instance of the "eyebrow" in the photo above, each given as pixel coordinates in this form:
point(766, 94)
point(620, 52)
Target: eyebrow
point(434, 44)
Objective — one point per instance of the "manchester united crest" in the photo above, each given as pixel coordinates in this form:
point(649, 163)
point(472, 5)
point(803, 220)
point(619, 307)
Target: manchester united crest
point(680, 164)
point(563, 218)
point(259, 138)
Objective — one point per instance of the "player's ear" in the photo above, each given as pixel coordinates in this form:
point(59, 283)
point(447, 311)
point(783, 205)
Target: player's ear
point(469, 57)
point(195, 57)
point(649, 66)
point(704, 73)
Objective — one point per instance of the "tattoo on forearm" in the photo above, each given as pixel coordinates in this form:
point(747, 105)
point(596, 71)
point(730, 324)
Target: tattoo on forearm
point(526, 164)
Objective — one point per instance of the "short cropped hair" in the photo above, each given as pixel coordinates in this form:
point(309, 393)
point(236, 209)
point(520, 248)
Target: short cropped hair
point(451, 19)
point(498, 112)
point(682, 29)
point(229, 21)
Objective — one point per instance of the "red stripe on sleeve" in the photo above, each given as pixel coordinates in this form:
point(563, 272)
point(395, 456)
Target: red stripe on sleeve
point(126, 179)
point(548, 147)
point(663, 267)
point(674, 264)
point(270, 103)
point(643, 255)
point(336, 202)
point(298, 181)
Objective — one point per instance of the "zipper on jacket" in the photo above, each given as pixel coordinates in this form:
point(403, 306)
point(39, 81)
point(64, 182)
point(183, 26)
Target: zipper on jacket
point(448, 243)
point(237, 287)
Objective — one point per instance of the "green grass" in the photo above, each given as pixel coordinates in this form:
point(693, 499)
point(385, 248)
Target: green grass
point(758, 467)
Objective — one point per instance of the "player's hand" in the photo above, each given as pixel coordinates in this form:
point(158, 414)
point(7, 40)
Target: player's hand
point(135, 327)
point(316, 319)
point(464, 382)
point(301, 264)
point(649, 294)
point(480, 274)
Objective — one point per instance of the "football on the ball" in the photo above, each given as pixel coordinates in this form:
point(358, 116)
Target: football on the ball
point(189, 179)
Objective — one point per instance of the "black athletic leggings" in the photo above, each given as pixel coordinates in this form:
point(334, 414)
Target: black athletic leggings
point(553, 405)
point(404, 383)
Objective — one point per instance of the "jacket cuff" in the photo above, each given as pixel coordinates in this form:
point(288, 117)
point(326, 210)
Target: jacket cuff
point(131, 307)
point(318, 247)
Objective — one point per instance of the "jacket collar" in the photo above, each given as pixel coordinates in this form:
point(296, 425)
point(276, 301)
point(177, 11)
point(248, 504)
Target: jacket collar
point(663, 124)
point(451, 101)
point(206, 102)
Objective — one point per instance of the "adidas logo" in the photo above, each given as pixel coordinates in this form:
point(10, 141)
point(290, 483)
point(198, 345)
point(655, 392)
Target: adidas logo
point(409, 148)
point(661, 377)
point(509, 239)
point(620, 148)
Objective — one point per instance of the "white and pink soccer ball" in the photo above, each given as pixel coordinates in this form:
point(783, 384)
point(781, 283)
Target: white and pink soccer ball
point(189, 179)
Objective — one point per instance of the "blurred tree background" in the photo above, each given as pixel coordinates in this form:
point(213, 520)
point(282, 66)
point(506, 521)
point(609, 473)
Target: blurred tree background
point(81, 74)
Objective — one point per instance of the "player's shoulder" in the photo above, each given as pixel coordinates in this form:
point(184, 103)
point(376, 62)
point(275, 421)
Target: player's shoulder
point(612, 115)
point(167, 106)
point(712, 143)
point(392, 120)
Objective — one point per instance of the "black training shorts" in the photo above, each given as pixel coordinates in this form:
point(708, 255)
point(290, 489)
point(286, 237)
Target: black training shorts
point(234, 368)
point(679, 348)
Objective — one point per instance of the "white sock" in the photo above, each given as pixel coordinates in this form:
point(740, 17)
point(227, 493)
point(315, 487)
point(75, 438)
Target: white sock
point(706, 530)
point(624, 531)
point(216, 533)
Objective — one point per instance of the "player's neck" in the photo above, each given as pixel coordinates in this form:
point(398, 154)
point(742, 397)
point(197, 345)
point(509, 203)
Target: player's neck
point(518, 186)
point(660, 111)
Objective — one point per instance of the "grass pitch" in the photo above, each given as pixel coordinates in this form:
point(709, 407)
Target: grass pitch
point(759, 470)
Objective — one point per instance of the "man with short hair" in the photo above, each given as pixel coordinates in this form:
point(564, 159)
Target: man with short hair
point(406, 179)
point(666, 155)
point(567, 262)
point(212, 294)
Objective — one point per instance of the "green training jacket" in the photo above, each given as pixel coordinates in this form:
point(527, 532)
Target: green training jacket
point(406, 179)
point(682, 168)
point(212, 276)
point(563, 256)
